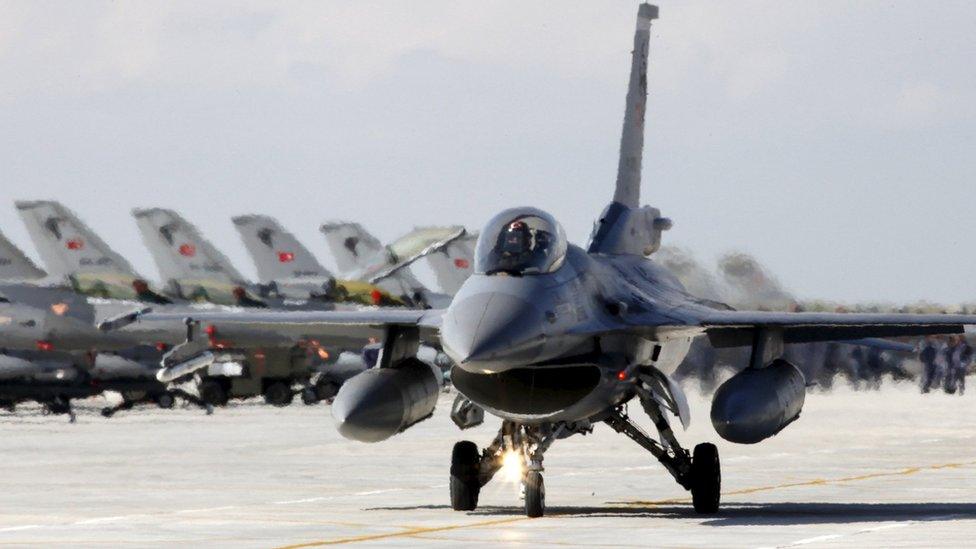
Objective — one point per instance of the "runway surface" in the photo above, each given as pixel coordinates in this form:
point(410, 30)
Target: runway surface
point(858, 469)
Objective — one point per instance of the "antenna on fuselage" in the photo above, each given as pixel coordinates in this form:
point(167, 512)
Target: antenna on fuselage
point(627, 192)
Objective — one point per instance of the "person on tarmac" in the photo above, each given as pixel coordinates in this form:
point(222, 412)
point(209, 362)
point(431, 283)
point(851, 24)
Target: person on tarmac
point(960, 356)
point(929, 356)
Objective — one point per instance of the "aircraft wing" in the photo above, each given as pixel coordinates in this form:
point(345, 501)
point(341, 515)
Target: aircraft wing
point(735, 328)
point(349, 325)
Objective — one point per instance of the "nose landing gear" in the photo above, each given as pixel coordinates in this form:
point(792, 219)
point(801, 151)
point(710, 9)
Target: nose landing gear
point(523, 445)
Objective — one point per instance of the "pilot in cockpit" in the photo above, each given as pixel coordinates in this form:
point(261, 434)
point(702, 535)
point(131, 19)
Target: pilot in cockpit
point(520, 242)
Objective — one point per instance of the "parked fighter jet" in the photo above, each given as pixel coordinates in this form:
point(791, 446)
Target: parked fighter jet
point(105, 362)
point(359, 255)
point(554, 338)
point(194, 269)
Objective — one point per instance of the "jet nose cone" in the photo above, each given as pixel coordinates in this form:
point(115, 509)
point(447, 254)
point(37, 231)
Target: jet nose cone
point(493, 332)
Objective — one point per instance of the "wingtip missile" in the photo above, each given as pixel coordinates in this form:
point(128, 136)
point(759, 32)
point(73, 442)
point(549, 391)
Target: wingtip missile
point(122, 320)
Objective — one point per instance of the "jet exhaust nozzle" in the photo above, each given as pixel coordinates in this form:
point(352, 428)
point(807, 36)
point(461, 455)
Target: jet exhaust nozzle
point(381, 402)
point(758, 403)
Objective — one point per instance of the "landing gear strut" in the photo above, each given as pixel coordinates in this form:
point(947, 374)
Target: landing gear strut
point(700, 472)
point(470, 470)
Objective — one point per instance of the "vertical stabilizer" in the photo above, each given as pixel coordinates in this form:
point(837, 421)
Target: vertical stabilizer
point(181, 253)
point(625, 227)
point(277, 254)
point(66, 245)
point(453, 264)
point(632, 139)
point(14, 265)
point(351, 245)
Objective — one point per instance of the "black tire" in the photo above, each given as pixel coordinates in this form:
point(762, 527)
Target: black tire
point(535, 494)
point(212, 392)
point(309, 396)
point(278, 394)
point(165, 401)
point(326, 390)
point(107, 412)
point(706, 479)
point(465, 465)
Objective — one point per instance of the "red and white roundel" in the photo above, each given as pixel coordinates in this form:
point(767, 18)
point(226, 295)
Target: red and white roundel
point(286, 257)
point(461, 263)
point(188, 250)
point(75, 244)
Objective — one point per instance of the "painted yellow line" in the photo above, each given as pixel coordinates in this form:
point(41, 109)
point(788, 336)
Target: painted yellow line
point(405, 533)
point(412, 532)
point(815, 482)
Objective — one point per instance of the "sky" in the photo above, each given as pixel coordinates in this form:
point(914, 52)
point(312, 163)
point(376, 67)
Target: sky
point(835, 141)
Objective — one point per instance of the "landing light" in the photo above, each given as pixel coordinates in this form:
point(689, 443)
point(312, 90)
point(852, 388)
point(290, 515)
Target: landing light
point(512, 467)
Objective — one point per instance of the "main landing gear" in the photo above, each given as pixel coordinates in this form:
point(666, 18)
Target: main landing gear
point(699, 471)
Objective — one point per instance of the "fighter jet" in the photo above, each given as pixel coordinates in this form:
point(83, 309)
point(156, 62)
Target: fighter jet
point(292, 279)
point(555, 338)
point(359, 255)
point(47, 345)
point(103, 288)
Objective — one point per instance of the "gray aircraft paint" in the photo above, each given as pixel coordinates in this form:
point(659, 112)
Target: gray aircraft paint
point(454, 263)
point(14, 265)
point(180, 251)
point(66, 245)
point(351, 245)
point(359, 255)
point(276, 253)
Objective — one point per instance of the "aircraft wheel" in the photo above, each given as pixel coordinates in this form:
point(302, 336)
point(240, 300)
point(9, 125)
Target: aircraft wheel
point(165, 401)
point(706, 479)
point(326, 389)
point(309, 396)
point(278, 394)
point(535, 494)
point(465, 465)
point(212, 392)
point(107, 412)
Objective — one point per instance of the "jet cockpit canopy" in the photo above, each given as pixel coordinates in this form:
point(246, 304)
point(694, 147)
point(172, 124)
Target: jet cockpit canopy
point(520, 241)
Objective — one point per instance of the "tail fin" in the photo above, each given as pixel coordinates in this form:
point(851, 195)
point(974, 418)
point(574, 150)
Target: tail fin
point(632, 138)
point(454, 263)
point(277, 254)
point(360, 255)
point(67, 246)
point(625, 227)
point(14, 265)
point(352, 247)
point(181, 253)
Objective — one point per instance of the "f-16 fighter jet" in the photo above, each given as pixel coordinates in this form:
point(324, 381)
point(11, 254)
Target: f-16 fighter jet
point(103, 288)
point(555, 338)
point(360, 255)
point(67, 338)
